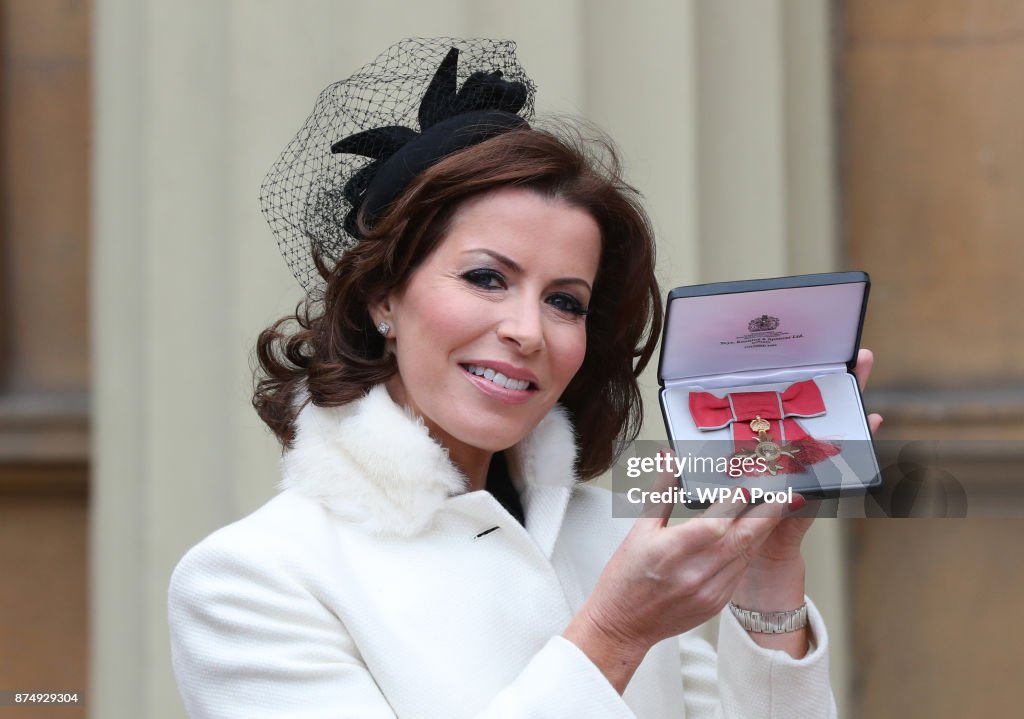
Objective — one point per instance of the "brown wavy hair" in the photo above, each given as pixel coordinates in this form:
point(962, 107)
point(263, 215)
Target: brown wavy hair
point(330, 353)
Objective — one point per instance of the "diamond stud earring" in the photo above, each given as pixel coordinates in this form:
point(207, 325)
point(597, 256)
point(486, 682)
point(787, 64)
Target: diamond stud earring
point(384, 328)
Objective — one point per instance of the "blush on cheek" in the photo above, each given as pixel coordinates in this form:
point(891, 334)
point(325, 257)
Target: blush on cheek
point(574, 354)
point(453, 323)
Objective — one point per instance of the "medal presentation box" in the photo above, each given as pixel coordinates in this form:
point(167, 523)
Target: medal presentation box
point(758, 388)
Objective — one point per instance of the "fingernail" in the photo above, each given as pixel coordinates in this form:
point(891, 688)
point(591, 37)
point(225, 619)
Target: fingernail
point(746, 494)
point(797, 503)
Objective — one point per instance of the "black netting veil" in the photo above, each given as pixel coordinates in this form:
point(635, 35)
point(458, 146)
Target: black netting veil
point(421, 99)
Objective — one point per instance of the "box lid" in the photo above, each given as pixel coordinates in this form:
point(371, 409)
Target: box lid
point(767, 324)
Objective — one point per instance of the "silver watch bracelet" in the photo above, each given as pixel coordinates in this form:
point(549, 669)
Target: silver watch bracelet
point(771, 622)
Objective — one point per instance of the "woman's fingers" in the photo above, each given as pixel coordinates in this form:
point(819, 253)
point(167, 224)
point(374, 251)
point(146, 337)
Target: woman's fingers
point(655, 514)
point(712, 525)
point(686, 573)
point(865, 361)
point(874, 422)
point(712, 553)
point(730, 507)
point(722, 518)
point(749, 531)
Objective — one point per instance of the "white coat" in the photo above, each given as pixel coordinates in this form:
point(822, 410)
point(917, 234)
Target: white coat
point(370, 587)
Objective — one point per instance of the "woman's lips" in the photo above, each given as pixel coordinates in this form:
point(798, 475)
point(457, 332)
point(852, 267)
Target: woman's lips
point(495, 391)
point(498, 377)
point(496, 366)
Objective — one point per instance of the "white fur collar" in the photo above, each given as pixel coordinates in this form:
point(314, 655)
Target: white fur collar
point(373, 462)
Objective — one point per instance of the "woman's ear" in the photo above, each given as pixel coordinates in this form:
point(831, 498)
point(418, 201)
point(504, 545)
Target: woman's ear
point(382, 315)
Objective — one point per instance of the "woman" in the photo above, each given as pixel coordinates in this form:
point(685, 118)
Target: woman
point(483, 299)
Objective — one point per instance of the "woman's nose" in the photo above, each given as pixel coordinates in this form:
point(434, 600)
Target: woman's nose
point(522, 326)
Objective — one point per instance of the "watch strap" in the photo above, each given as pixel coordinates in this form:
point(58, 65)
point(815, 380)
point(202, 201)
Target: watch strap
point(771, 622)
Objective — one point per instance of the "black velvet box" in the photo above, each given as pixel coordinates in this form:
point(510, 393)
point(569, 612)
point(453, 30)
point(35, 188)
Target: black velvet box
point(792, 340)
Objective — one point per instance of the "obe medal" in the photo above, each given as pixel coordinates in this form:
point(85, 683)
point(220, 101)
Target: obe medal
point(766, 449)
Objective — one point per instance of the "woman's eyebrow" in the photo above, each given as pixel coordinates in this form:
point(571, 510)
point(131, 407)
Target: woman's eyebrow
point(514, 267)
point(508, 262)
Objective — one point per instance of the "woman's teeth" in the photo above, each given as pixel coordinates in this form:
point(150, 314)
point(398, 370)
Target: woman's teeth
point(497, 377)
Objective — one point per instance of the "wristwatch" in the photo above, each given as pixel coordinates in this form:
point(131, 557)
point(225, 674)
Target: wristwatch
point(771, 622)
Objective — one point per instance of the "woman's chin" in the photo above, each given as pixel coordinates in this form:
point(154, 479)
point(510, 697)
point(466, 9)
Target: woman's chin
point(492, 441)
point(492, 433)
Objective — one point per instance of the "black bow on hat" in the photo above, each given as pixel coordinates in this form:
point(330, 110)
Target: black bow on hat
point(449, 120)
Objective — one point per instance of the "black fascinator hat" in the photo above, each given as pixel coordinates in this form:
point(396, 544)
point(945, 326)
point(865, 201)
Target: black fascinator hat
point(370, 135)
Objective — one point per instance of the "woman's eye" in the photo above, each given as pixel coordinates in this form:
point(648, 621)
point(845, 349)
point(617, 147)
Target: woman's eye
point(488, 279)
point(568, 303)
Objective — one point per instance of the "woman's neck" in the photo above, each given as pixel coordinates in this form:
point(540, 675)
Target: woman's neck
point(473, 462)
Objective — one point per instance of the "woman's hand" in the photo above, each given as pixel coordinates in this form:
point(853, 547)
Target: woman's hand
point(663, 581)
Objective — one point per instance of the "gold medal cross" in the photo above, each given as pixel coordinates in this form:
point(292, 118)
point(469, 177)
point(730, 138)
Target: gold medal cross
point(766, 449)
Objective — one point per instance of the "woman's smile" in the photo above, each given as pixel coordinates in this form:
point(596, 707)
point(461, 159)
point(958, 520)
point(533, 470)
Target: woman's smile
point(502, 373)
point(497, 384)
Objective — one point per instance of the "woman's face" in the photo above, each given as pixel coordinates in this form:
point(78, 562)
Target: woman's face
point(491, 328)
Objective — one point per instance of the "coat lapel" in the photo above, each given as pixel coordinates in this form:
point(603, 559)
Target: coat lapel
point(542, 469)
